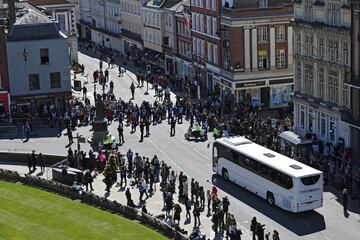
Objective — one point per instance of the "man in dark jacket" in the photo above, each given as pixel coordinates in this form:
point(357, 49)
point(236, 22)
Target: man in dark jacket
point(121, 134)
point(88, 179)
point(33, 160)
point(345, 200)
point(253, 227)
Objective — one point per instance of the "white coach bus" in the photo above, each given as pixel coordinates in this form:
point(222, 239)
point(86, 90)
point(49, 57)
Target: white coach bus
point(280, 180)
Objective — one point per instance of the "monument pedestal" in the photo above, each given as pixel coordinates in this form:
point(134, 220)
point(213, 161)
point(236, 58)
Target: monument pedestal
point(99, 131)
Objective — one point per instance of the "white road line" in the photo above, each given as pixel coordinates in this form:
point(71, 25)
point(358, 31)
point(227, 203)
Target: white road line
point(200, 153)
point(326, 238)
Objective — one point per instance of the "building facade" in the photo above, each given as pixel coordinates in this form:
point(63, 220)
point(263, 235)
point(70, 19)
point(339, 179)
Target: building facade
point(256, 54)
point(101, 23)
point(37, 47)
point(132, 27)
point(64, 13)
point(322, 41)
point(159, 25)
point(183, 56)
point(205, 33)
point(354, 84)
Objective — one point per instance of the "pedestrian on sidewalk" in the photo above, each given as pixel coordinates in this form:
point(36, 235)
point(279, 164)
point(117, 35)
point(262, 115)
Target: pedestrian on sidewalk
point(196, 213)
point(69, 134)
point(88, 179)
point(42, 162)
point(123, 175)
point(208, 197)
point(130, 202)
point(84, 92)
point(172, 127)
point(132, 89)
point(275, 235)
point(142, 131)
point(121, 134)
point(253, 227)
point(225, 205)
point(177, 212)
point(33, 160)
point(345, 200)
point(188, 209)
point(142, 189)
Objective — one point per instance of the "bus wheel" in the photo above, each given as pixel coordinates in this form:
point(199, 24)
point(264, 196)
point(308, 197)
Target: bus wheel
point(270, 198)
point(225, 174)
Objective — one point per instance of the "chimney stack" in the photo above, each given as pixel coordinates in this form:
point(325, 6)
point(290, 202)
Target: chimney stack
point(12, 13)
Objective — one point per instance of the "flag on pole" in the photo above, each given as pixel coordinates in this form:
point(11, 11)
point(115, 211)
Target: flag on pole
point(187, 21)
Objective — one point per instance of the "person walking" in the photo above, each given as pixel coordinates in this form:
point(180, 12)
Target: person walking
point(345, 200)
point(132, 89)
point(88, 179)
point(208, 197)
point(253, 227)
point(142, 189)
point(123, 176)
point(172, 127)
point(188, 208)
point(275, 235)
point(196, 213)
point(121, 134)
point(84, 89)
point(142, 131)
point(33, 160)
point(225, 205)
point(41, 162)
point(69, 134)
point(177, 212)
point(147, 127)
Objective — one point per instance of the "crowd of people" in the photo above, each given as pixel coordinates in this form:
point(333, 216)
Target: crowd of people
point(180, 193)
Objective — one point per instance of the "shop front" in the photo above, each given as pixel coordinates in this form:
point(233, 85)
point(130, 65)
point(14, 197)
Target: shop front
point(265, 94)
point(39, 105)
point(4, 102)
point(183, 73)
point(132, 49)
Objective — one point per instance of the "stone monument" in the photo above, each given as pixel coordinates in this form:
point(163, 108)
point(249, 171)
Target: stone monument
point(100, 124)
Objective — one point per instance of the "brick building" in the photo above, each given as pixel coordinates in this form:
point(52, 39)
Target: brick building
point(256, 53)
point(205, 15)
point(183, 56)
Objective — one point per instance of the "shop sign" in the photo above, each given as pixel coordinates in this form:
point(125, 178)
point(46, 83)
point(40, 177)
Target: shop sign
point(226, 83)
point(250, 84)
point(281, 81)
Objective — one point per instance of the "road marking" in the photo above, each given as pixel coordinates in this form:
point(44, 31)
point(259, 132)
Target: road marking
point(201, 154)
point(326, 238)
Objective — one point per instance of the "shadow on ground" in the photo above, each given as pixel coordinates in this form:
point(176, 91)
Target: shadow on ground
point(299, 223)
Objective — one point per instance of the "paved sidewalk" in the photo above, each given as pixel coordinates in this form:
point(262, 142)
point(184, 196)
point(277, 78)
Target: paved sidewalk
point(154, 204)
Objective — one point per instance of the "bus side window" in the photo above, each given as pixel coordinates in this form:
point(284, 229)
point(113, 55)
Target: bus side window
point(215, 153)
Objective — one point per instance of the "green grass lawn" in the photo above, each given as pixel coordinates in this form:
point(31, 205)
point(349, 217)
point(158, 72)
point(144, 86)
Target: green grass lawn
point(29, 213)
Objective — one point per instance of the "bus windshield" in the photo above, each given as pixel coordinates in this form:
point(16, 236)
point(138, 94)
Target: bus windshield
point(308, 181)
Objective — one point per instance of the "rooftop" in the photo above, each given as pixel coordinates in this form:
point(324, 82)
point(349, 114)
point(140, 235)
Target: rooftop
point(34, 26)
point(48, 2)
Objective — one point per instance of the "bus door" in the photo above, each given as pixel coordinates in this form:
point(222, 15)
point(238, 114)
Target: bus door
point(215, 156)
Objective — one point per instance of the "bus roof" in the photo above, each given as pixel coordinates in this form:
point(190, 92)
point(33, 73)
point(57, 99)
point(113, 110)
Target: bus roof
point(268, 157)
